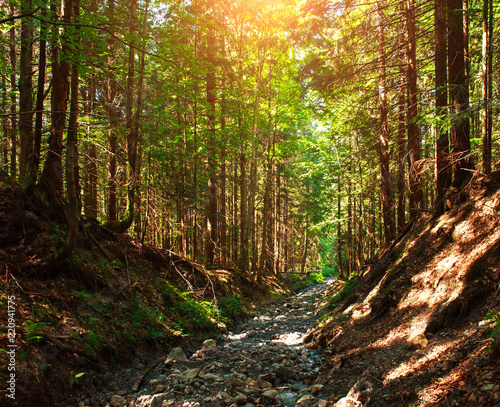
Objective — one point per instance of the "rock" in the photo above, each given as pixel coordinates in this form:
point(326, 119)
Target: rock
point(252, 383)
point(150, 401)
point(176, 355)
point(490, 387)
point(221, 326)
point(121, 392)
point(236, 381)
point(189, 390)
point(316, 388)
point(285, 373)
point(117, 401)
point(305, 399)
point(211, 376)
point(209, 344)
point(265, 385)
point(322, 403)
point(159, 388)
point(268, 377)
point(153, 383)
point(304, 356)
point(418, 341)
point(240, 398)
point(271, 394)
point(226, 398)
point(189, 374)
point(472, 401)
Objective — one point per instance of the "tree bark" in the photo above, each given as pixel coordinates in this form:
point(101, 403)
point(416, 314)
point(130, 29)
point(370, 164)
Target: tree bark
point(25, 97)
point(384, 133)
point(40, 97)
point(71, 148)
point(211, 215)
point(51, 180)
point(486, 141)
point(416, 197)
point(443, 180)
point(458, 94)
point(13, 97)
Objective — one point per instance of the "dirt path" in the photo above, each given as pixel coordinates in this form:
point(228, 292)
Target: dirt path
point(263, 362)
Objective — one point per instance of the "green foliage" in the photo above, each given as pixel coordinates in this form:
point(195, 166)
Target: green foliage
point(74, 380)
point(33, 329)
point(195, 313)
point(230, 308)
point(346, 292)
point(22, 356)
point(493, 328)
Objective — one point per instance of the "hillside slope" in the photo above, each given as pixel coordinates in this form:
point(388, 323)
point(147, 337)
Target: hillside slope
point(413, 324)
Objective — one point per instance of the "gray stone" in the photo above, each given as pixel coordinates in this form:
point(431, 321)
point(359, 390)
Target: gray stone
point(189, 374)
point(240, 398)
point(117, 401)
point(150, 401)
point(236, 381)
point(209, 344)
point(176, 355)
point(271, 394)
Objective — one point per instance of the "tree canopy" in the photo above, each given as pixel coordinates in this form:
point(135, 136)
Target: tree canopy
point(269, 136)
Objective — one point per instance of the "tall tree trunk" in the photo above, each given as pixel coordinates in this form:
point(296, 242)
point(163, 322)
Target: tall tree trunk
point(25, 96)
point(384, 133)
point(137, 118)
point(211, 216)
point(132, 144)
point(402, 95)
point(90, 168)
point(223, 176)
point(5, 125)
point(306, 247)
point(244, 221)
point(443, 179)
point(339, 224)
point(486, 141)
point(110, 91)
point(40, 97)
point(458, 94)
point(51, 180)
point(71, 148)
point(416, 197)
point(13, 96)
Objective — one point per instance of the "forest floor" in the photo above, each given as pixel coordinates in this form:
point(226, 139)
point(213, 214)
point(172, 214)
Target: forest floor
point(409, 330)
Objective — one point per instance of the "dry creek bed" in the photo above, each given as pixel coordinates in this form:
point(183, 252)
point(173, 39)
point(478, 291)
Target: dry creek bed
point(263, 362)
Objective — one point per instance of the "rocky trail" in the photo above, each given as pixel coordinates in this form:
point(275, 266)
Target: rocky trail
point(263, 361)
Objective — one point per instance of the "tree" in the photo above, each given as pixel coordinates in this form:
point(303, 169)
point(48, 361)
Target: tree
point(51, 180)
point(458, 95)
point(387, 200)
point(416, 197)
point(443, 179)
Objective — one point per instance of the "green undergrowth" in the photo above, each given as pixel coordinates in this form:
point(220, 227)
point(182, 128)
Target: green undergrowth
point(300, 281)
point(345, 294)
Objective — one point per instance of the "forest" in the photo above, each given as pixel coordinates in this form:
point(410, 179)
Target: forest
point(247, 144)
point(270, 136)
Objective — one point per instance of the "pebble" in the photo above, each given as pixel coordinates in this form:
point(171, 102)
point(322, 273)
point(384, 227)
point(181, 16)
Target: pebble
point(117, 401)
